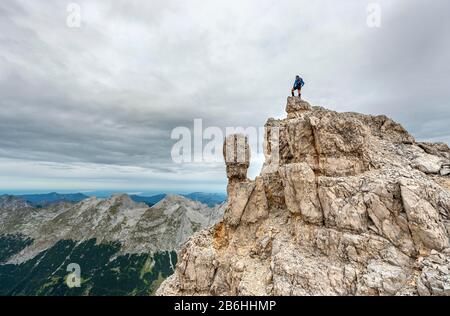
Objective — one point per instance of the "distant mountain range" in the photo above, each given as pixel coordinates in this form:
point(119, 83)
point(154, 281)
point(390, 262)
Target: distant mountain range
point(210, 199)
point(149, 200)
point(43, 200)
point(122, 246)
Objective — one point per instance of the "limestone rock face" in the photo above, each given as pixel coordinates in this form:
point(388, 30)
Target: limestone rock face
point(295, 106)
point(346, 204)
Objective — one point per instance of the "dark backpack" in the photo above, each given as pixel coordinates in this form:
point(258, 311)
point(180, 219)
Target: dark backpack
point(299, 83)
point(302, 83)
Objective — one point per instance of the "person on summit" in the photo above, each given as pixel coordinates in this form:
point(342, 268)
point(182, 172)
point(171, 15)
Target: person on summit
point(298, 84)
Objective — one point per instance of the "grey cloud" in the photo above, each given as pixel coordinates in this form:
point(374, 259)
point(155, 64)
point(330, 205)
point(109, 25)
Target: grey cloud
point(112, 91)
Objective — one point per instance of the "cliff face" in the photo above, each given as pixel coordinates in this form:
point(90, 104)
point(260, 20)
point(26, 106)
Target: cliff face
point(346, 204)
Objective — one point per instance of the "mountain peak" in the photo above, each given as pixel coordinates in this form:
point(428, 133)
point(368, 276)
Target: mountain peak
point(12, 203)
point(174, 199)
point(121, 197)
point(349, 204)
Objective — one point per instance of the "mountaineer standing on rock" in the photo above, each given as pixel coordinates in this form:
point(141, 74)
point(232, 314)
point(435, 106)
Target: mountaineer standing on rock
point(298, 84)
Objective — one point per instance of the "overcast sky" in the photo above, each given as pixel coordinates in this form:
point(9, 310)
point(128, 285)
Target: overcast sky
point(93, 107)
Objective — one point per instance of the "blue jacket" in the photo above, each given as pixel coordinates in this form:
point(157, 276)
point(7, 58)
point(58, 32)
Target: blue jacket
point(298, 83)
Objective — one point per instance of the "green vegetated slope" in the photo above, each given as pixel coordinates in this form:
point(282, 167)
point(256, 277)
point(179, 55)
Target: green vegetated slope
point(103, 270)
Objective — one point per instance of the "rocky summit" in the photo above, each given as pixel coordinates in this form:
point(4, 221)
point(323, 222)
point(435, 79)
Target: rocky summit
point(346, 204)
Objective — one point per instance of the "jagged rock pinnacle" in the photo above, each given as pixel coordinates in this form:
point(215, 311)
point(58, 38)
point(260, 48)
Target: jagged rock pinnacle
point(236, 152)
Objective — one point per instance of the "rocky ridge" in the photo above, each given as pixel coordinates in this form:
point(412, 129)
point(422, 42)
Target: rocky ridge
point(137, 227)
point(346, 204)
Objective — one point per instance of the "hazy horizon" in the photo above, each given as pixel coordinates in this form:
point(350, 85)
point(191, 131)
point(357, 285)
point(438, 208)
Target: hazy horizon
point(103, 193)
